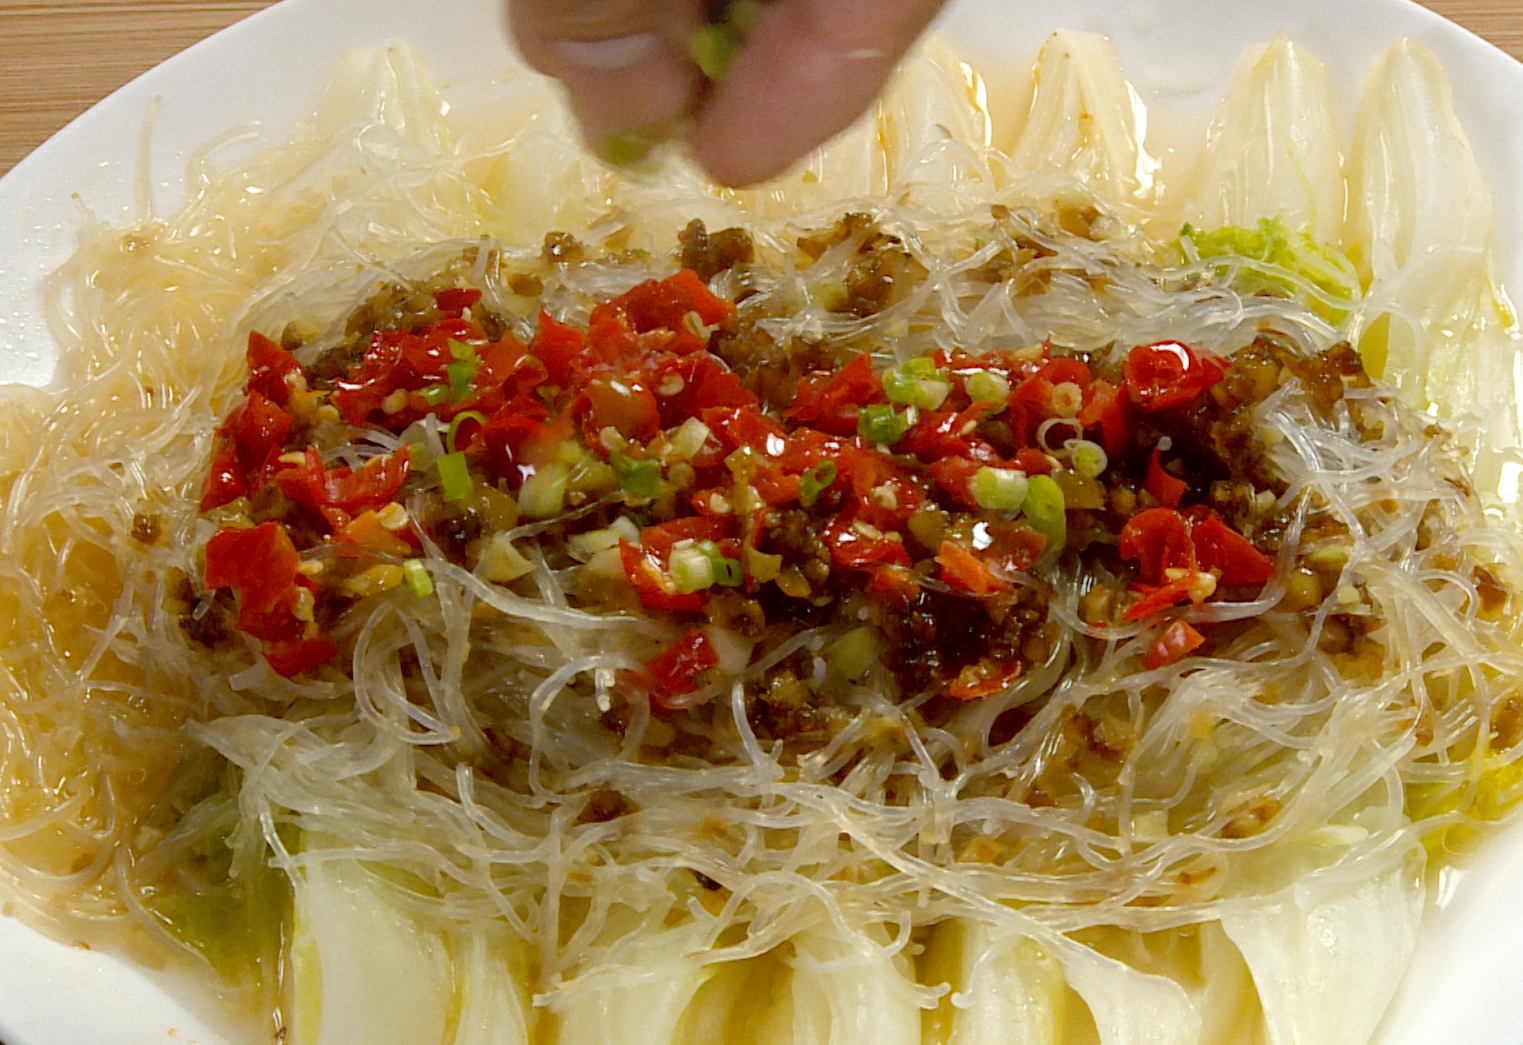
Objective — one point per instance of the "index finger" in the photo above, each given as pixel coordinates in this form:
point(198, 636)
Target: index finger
point(807, 71)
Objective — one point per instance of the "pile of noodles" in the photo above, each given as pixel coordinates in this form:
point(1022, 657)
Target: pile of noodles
point(139, 769)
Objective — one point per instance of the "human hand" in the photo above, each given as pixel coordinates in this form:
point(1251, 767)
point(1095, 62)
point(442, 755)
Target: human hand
point(805, 70)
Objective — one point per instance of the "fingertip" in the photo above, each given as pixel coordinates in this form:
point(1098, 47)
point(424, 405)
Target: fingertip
point(738, 161)
point(811, 68)
point(648, 98)
point(627, 81)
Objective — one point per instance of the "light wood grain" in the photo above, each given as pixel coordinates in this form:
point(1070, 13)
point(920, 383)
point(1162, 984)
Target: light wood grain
point(59, 58)
point(1500, 21)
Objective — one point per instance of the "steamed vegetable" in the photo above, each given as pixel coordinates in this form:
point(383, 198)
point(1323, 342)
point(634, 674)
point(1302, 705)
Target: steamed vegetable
point(640, 993)
point(1274, 150)
point(550, 182)
point(934, 128)
point(1131, 1007)
point(1086, 121)
point(368, 970)
point(1437, 323)
point(1326, 955)
point(843, 987)
point(1002, 988)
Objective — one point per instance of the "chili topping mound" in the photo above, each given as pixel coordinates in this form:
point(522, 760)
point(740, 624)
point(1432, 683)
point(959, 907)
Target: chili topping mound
point(795, 516)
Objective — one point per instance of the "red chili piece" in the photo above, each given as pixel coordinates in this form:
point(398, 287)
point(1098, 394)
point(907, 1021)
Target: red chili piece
point(1165, 488)
point(962, 569)
point(260, 565)
point(1106, 410)
point(1168, 374)
point(249, 443)
point(270, 368)
point(853, 545)
point(1178, 641)
point(672, 672)
point(1220, 547)
point(314, 485)
point(982, 678)
point(1158, 540)
point(1161, 540)
point(831, 401)
point(458, 300)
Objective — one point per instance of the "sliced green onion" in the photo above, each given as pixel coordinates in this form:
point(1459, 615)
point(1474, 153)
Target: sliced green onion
point(727, 572)
point(713, 47)
point(1067, 399)
point(853, 655)
point(986, 386)
point(637, 478)
point(543, 494)
point(692, 569)
point(627, 149)
point(461, 376)
point(454, 426)
point(433, 395)
point(830, 295)
point(815, 482)
point(584, 546)
point(932, 392)
point(417, 578)
point(698, 565)
point(880, 424)
point(927, 394)
point(1089, 458)
point(454, 476)
point(917, 383)
point(1045, 511)
point(688, 440)
point(463, 352)
point(898, 386)
point(1000, 489)
point(501, 562)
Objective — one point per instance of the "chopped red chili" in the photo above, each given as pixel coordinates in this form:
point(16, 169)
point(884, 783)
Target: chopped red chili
point(762, 477)
point(1223, 549)
point(1165, 488)
point(316, 486)
point(983, 678)
point(1178, 641)
point(260, 563)
point(270, 369)
point(1174, 551)
point(1169, 374)
point(672, 673)
point(962, 569)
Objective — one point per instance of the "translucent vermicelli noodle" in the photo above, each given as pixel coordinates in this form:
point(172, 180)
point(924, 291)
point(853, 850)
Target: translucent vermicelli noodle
point(473, 773)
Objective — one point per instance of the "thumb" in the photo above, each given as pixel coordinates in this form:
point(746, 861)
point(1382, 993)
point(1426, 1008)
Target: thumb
point(624, 63)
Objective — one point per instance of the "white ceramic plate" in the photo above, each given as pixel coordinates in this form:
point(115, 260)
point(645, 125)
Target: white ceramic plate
point(1465, 985)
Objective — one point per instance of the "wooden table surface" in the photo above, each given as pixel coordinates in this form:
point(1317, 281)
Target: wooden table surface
point(59, 57)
